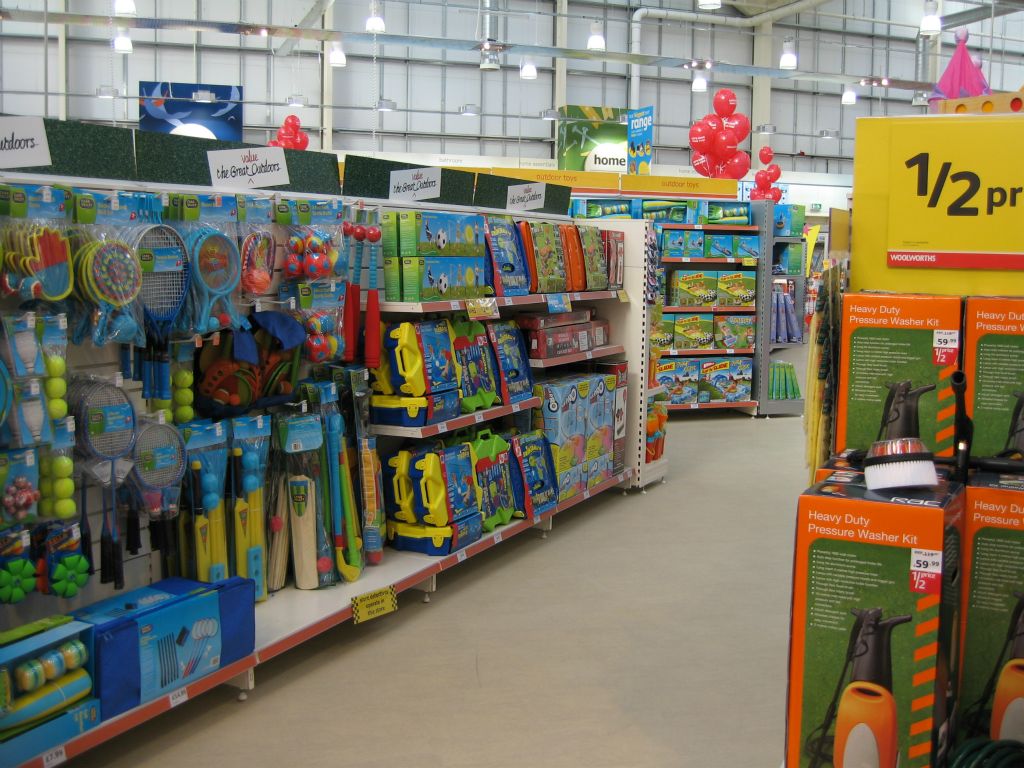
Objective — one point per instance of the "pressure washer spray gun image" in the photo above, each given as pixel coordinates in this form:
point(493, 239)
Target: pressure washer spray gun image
point(1004, 688)
point(863, 709)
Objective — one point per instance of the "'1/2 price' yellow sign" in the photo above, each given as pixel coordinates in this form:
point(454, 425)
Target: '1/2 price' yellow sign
point(938, 193)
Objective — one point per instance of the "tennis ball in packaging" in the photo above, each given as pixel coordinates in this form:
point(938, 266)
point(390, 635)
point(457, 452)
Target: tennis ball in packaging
point(182, 379)
point(161, 404)
point(63, 466)
point(64, 508)
point(46, 488)
point(183, 397)
point(55, 388)
point(45, 466)
point(58, 408)
point(55, 365)
point(64, 488)
point(183, 413)
point(46, 508)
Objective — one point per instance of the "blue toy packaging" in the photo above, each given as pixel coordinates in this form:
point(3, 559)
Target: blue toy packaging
point(533, 476)
point(600, 424)
point(675, 211)
point(515, 377)
point(788, 220)
point(453, 255)
point(434, 540)
point(718, 246)
point(601, 209)
point(421, 357)
point(748, 246)
point(444, 485)
point(151, 641)
point(415, 411)
point(477, 369)
point(680, 378)
point(725, 379)
point(508, 262)
point(683, 243)
point(620, 372)
point(563, 417)
point(723, 213)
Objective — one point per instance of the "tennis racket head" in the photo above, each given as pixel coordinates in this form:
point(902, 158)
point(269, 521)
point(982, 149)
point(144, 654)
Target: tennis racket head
point(216, 261)
point(104, 418)
point(164, 263)
point(159, 466)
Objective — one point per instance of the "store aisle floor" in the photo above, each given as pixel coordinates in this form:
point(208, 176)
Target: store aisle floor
point(649, 630)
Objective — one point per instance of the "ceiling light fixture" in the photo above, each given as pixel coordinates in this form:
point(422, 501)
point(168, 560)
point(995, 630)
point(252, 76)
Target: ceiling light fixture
point(849, 96)
point(827, 134)
point(549, 114)
point(489, 59)
point(337, 57)
point(699, 84)
point(788, 58)
point(296, 100)
point(386, 105)
point(124, 8)
point(920, 99)
point(931, 23)
point(527, 69)
point(766, 129)
point(469, 110)
point(709, 5)
point(596, 40)
point(122, 43)
point(107, 92)
point(203, 97)
point(375, 22)
point(264, 32)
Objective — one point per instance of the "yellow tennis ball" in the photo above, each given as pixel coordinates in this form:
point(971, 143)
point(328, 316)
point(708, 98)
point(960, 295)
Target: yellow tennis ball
point(168, 415)
point(45, 466)
point(55, 365)
point(64, 488)
point(182, 379)
point(46, 488)
point(63, 466)
point(160, 404)
point(55, 388)
point(183, 397)
point(46, 507)
point(58, 408)
point(183, 413)
point(64, 508)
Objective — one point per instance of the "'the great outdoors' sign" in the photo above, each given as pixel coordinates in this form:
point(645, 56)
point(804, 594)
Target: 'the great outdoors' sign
point(249, 168)
point(23, 142)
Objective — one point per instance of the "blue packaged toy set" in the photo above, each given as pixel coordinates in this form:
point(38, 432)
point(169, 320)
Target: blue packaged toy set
point(151, 641)
point(421, 359)
point(680, 379)
point(683, 243)
point(725, 379)
point(515, 377)
point(452, 256)
point(508, 260)
point(533, 475)
point(477, 369)
point(434, 540)
point(414, 411)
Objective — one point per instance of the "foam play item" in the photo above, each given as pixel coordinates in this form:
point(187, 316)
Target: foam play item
point(526, 238)
point(508, 259)
point(549, 257)
point(423, 357)
point(476, 365)
point(514, 375)
point(533, 475)
point(45, 701)
point(595, 258)
point(491, 461)
point(576, 275)
point(431, 540)
point(448, 487)
point(414, 411)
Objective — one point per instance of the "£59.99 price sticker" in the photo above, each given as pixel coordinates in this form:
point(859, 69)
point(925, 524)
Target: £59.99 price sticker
point(926, 571)
point(945, 345)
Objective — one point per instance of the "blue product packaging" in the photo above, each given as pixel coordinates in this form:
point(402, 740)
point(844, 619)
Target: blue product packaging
point(452, 247)
point(718, 246)
point(515, 377)
point(508, 261)
point(533, 477)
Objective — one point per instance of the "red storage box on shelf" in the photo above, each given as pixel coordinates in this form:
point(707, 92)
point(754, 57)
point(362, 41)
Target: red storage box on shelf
point(535, 321)
point(568, 339)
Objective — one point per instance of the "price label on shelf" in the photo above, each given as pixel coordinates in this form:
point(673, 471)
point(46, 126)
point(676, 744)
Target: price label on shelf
point(56, 756)
point(497, 537)
point(455, 305)
point(478, 417)
point(180, 696)
point(558, 302)
point(482, 309)
point(623, 296)
point(748, 261)
point(460, 556)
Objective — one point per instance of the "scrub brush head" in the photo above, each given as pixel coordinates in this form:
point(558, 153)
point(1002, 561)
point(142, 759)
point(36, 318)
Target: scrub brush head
point(900, 463)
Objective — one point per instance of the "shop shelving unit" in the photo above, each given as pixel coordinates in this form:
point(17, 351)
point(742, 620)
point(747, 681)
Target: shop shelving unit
point(766, 282)
point(597, 353)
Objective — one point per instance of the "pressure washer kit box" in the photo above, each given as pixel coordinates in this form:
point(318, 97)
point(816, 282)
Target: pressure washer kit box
point(994, 366)
point(992, 604)
point(898, 354)
point(873, 625)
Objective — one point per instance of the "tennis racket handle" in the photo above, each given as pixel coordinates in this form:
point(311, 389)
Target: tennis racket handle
point(118, 565)
point(163, 378)
point(169, 547)
point(106, 559)
point(133, 532)
point(125, 357)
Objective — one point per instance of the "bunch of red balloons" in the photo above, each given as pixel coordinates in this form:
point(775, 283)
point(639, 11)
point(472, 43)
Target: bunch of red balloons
point(715, 138)
point(766, 178)
point(290, 135)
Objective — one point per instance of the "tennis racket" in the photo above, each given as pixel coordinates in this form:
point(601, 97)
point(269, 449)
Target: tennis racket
point(258, 261)
point(104, 433)
point(216, 270)
point(165, 282)
point(159, 466)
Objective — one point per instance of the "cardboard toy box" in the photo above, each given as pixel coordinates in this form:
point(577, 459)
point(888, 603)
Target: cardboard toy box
point(725, 380)
point(789, 220)
point(994, 366)
point(568, 339)
point(663, 333)
point(153, 640)
point(718, 246)
point(390, 255)
point(992, 609)
point(411, 269)
point(872, 567)
point(748, 246)
point(453, 255)
point(680, 378)
point(535, 321)
point(694, 288)
point(683, 243)
point(904, 344)
point(737, 289)
point(735, 331)
point(600, 425)
point(620, 372)
point(725, 213)
point(694, 332)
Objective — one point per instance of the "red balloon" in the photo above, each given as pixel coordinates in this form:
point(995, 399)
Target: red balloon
point(725, 144)
point(738, 165)
point(284, 134)
point(766, 155)
point(274, 143)
point(756, 194)
point(738, 124)
point(701, 137)
point(762, 181)
point(301, 140)
point(700, 163)
point(775, 194)
point(292, 122)
point(774, 172)
point(714, 122)
point(721, 171)
point(724, 102)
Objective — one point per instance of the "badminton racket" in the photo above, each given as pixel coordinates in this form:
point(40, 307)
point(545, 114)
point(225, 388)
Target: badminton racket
point(216, 270)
